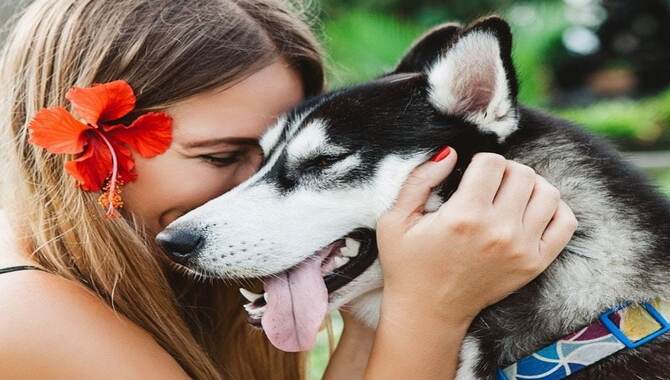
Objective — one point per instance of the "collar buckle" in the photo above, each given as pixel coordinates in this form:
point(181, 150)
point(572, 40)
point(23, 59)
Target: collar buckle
point(606, 320)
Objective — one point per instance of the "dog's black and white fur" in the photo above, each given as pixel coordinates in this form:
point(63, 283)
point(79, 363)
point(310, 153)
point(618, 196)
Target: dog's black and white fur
point(336, 163)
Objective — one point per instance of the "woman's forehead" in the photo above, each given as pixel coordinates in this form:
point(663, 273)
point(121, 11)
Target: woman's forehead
point(244, 109)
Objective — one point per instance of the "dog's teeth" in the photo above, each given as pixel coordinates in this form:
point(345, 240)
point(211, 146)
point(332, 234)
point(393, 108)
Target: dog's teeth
point(266, 296)
point(254, 311)
point(257, 313)
point(340, 261)
point(352, 247)
point(249, 295)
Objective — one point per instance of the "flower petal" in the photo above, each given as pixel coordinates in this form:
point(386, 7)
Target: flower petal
point(126, 163)
point(150, 134)
point(102, 102)
point(57, 131)
point(94, 166)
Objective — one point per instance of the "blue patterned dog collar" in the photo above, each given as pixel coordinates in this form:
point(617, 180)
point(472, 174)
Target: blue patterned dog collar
point(623, 327)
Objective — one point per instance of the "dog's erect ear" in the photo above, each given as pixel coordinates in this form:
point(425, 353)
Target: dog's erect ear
point(475, 79)
point(427, 48)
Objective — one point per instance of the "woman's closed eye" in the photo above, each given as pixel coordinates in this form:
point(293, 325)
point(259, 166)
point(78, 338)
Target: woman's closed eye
point(222, 160)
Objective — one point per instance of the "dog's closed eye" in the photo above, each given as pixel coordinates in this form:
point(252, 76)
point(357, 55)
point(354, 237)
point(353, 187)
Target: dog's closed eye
point(317, 164)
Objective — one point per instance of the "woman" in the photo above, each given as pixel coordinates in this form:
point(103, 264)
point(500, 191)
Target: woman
point(222, 70)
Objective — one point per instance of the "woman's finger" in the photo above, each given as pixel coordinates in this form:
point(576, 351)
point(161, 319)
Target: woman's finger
point(482, 177)
point(418, 186)
point(541, 207)
point(559, 231)
point(515, 189)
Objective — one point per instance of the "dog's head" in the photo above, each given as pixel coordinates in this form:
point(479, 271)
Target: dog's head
point(334, 165)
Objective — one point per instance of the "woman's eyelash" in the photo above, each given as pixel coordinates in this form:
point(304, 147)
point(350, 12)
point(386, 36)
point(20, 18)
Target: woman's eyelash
point(221, 161)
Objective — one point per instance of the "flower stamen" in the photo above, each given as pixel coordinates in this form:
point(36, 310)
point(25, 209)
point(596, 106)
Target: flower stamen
point(111, 193)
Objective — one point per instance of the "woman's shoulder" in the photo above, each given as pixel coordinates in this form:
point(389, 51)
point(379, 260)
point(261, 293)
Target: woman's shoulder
point(27, 294)
point(58, 327)
point(31, 300)
point(37, 305)
point(54, 327)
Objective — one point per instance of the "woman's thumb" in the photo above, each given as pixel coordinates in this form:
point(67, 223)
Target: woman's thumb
point(418, 186)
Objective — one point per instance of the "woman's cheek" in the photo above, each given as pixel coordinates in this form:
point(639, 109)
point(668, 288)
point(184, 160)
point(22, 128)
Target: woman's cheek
point(246, 169)
point(192, 189)
point(168, 186)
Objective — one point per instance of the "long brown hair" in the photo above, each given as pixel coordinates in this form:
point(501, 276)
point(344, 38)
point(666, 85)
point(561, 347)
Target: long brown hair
point(168, 50)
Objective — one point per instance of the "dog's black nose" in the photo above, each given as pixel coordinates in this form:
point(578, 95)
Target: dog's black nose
point(180, 244)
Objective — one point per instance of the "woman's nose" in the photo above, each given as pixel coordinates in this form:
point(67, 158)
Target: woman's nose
point(181, 245)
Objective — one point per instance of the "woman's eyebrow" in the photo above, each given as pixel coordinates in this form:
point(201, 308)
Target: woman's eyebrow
point(219, 141)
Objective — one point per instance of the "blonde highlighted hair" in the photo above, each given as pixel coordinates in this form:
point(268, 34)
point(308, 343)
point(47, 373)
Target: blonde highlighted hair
point(168, 50)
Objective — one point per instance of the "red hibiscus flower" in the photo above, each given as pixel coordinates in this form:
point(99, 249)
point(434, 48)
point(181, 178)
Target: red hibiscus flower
point(102, 147)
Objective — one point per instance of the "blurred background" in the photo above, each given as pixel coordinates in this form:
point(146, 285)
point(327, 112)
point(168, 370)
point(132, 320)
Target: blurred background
point(604, 64)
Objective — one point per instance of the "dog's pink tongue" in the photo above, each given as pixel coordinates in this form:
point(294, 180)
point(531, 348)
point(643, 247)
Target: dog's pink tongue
point(296, 305)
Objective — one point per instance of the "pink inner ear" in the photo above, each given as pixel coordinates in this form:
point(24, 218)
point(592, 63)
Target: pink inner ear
point(474, 87)
point(464, 81)
point(469, 81)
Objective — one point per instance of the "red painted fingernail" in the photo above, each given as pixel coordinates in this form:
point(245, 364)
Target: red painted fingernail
point(439, 156)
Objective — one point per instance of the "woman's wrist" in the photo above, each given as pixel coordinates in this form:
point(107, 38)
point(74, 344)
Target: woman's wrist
point(417, 310)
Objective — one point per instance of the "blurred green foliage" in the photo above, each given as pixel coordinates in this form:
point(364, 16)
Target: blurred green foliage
point(422, 10)
point(363, 44)
point(643, 124)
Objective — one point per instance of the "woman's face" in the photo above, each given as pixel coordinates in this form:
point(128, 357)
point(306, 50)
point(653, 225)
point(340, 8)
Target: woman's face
point(214, 146)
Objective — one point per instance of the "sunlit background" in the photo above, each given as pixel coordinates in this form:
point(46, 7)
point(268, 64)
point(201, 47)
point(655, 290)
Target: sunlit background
point(604, 64)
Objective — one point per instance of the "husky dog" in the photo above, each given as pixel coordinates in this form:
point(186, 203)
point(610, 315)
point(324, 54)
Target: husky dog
point(305, 222)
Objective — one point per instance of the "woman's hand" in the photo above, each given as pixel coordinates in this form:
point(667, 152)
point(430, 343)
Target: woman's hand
point(489, 239)
point(501, 228)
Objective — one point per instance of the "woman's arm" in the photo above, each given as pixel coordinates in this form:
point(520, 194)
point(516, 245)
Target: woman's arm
point(500, 229)
point(393, 339)
point(410, 345)
point(353, 350)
